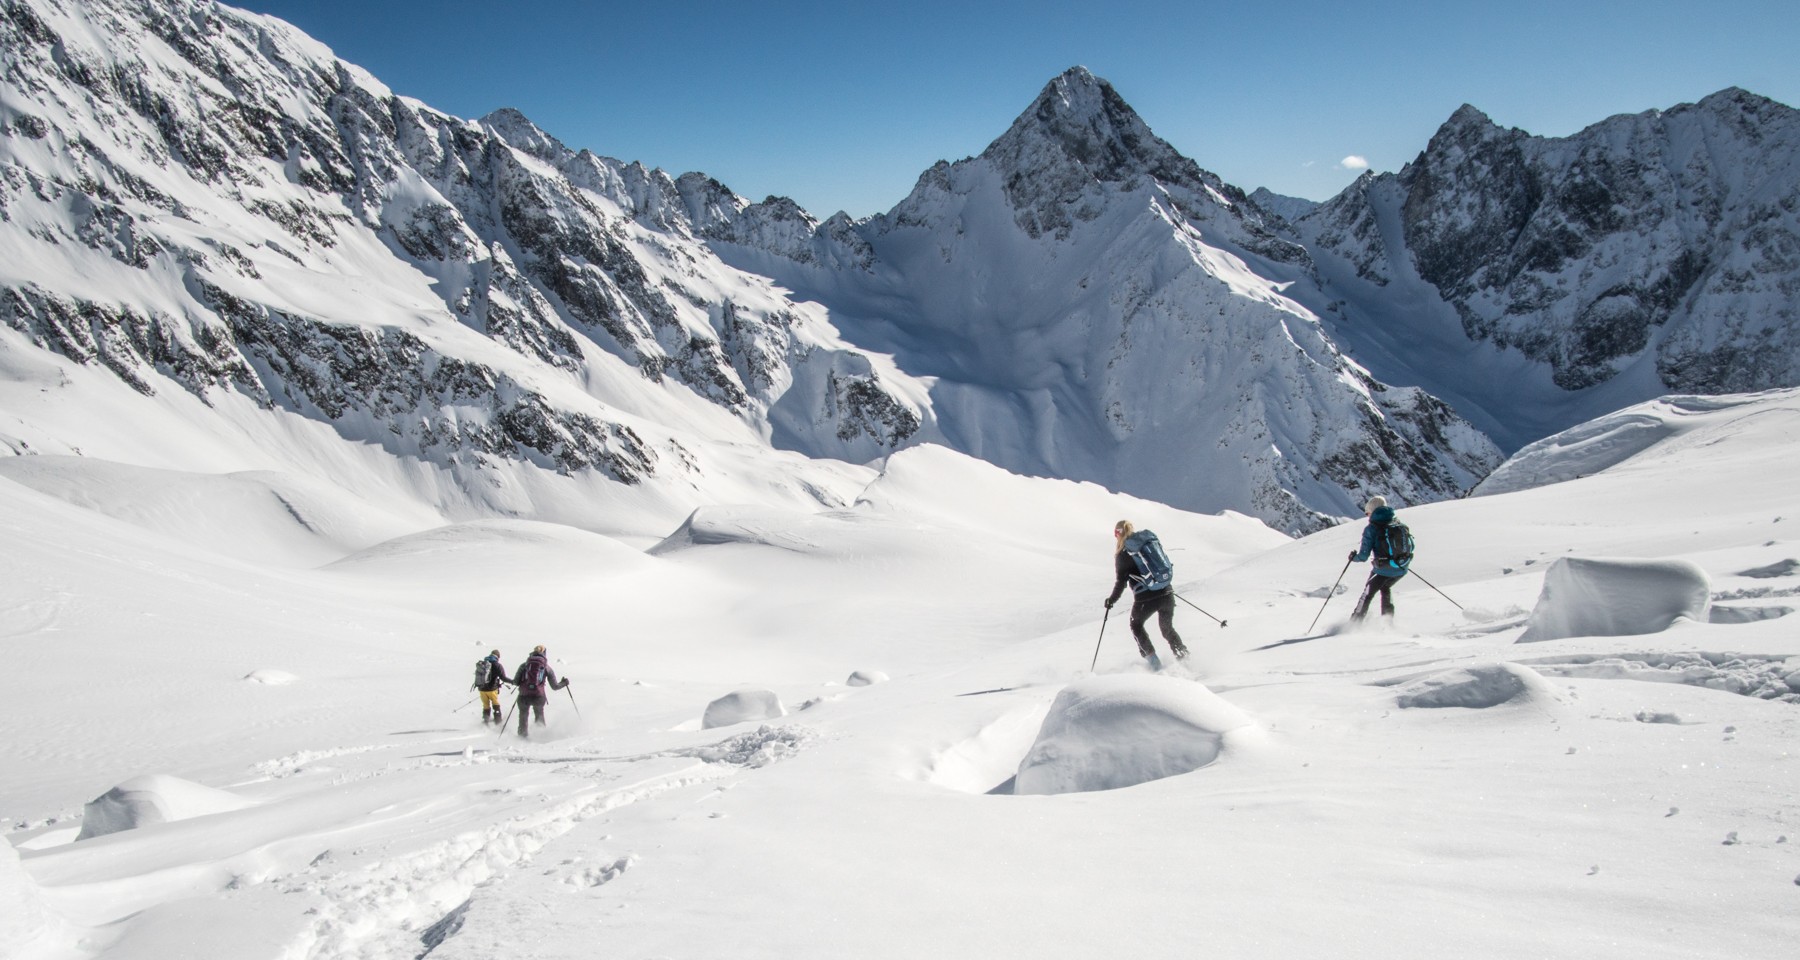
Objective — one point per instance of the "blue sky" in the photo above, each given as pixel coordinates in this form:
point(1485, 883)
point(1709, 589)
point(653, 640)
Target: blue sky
point(841, 105)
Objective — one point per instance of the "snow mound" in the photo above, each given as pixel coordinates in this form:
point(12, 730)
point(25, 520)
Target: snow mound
point(261, 516)
point(1609, 597)
point(1107, 732)
point(741, 705)
point(156, 798)
point(758, 526)
point(471, 550)
point(1780, 568)
point(1477, 687)
point(270, 678)
point(865, 678)
point(1672, 423)
point(1577, 452)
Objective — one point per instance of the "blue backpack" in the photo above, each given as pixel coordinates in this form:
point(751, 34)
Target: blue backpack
point(1155, 572)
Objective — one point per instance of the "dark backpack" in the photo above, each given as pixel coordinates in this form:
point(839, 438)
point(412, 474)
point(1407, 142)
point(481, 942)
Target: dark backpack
point(533, 676)
point(1155, 572)
point(484, 672)
point(1394, 543)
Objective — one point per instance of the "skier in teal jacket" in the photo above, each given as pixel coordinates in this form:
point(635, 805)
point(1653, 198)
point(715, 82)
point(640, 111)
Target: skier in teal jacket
point(1387, 569)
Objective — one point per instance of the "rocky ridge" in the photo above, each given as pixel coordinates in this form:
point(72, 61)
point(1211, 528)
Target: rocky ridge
point(213, 154)
point(1090, 304)
point(1668, 239)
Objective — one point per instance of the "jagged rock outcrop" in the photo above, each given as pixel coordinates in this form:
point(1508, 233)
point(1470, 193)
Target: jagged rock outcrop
point(1088, 304)
point(196, 195)
point(198, 198)
point(1669, 238)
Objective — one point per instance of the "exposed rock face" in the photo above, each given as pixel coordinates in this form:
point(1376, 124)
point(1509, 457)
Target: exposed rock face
point(1089, 305)
point(228, 206)
point(207, 200)
point(1671, 237)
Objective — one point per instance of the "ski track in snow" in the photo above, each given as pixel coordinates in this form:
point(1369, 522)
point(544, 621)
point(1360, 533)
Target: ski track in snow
point(386, 909)
point(384, 884)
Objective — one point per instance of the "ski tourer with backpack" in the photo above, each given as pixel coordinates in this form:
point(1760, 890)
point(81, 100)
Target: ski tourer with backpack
point(1140, 562)
point(1390, 543)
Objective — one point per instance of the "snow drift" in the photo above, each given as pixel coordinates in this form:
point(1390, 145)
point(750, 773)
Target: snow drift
point(740, 705)
point(156, 798)
point(1600, 597)
point(1107, 732)
point(1477, 687)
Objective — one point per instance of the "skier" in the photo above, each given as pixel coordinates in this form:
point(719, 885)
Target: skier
point(1390, 563)
point(535, 680)
point(489, 675)
point(1138, 559)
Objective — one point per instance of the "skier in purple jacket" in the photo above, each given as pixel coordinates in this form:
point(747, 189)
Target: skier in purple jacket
point(535, 680)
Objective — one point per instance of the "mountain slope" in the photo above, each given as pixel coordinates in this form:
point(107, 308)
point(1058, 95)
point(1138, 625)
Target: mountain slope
point(206, 201)
point(1649, 253)
point(1091, 304)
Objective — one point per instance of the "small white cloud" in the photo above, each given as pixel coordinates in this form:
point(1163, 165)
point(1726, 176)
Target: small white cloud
point(1354, 162)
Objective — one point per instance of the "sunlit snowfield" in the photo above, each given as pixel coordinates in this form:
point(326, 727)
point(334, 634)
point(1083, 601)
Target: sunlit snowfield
point(276, 669)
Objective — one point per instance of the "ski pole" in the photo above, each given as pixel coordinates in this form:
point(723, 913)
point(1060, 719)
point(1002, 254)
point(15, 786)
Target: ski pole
point(470, 700)
point(1102, 637)
point(1439, 592)
point(509, 712)
point(1196, 607)
point(1329, 594)
point(571, 693)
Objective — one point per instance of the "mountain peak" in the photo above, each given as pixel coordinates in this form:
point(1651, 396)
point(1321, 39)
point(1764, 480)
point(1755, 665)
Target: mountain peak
point(514, 127)
point(1468, 115)
point(1080, 124)
point(1079, 116)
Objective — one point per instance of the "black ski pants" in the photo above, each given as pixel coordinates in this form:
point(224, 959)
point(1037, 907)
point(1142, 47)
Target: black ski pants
point(1381, 584)
point(527, 706)
point(1161, 603)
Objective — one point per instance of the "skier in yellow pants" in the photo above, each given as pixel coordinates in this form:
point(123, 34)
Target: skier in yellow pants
point(489, 675)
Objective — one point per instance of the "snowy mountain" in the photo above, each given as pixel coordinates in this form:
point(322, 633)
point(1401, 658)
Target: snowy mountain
point(1088, 303)
point(1646, 254)
point(261, 242)
point(206, 202)
point(1285, 207)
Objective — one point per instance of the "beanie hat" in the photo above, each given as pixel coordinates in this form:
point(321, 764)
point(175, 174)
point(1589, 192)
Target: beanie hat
point(538, 649)
point(1375, 502)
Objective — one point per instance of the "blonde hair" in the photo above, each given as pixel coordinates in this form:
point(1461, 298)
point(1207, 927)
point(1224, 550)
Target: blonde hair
point(1121, 530)
point(538, 649)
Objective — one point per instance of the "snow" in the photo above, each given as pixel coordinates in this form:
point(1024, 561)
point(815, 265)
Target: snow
point(155, 798)
point(1610, 597)
point(741, 705)
point(1374, 792)
point(1475, 687)
point(249, 632)
point(1105, 733)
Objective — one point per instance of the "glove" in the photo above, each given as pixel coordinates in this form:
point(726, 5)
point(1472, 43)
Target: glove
point(1353, 556)
point(1110, 601)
